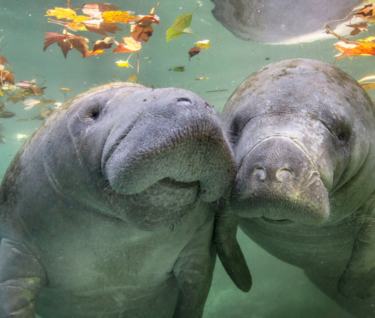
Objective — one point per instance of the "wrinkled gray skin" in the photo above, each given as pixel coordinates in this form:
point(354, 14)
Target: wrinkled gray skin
point(303, 135)
point(108, 209)
point(286, 21)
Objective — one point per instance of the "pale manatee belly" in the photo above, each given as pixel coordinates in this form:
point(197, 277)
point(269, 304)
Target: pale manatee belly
point(323, 252)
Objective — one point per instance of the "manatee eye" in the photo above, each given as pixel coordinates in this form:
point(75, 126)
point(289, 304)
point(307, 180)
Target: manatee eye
point(184, 101)
point(94, 112)
point(343, 136)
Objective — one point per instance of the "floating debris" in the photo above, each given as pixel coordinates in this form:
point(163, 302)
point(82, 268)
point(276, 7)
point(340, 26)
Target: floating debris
point(7, 115)
point(178, 69)
point(132, 79)
point(202, 78)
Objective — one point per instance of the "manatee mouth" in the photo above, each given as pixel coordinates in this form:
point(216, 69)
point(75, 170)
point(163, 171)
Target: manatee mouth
point(279, 222)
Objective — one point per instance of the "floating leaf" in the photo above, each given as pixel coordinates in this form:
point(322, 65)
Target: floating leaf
point(180, 26)
point(367, 13)
point(122, 63)
point(30, 103)
point(45, 111)
point(119, 17)
point(67, 42)
point(129, 45)
point(367, 77)
point(62, 13)
point(368, 86)
point(361, 27)
point(101, 27)
point(350, 48)
point(203, 43)
point(97, 52)
point(92, 9)
point(15, 98)
point(132, 79)
point(7, 115)
point(178, 69)
point(202, 78)
point(103, 44)
point(142, 29)
point(194, 51)
point(76, 26)
point(6, 76)
point(65, 89)
point(4, 61)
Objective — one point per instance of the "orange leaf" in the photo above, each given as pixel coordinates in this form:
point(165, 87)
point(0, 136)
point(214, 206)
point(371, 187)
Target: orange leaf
point(96, 52)
point(119, 17)
point(368, 86)
point(92, 9)
point(130, 45)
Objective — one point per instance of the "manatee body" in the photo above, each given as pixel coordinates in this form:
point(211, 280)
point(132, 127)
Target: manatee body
point(287, 21)
point(303, 135)
point(108, 209)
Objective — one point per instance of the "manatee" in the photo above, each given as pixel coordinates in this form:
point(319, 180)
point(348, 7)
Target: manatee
point(287, 21)
point(303, 136)
point(109, 209)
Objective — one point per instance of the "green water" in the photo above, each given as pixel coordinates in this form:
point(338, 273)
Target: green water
point(279, 290)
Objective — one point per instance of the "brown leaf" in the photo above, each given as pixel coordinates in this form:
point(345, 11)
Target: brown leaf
point(103, 44)
point(6, 76)
point(101, 27)
point(194, 51)
point(15, 98)
point(66, 42)
point(4, 61)
point(366, 13)
point(360, 27)
point(7, 115)
point(92, 9)
point(141, 34)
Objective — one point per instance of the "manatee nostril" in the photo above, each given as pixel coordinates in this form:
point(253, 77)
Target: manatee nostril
point(184, 101)
point(283, 174)
point(260, 173)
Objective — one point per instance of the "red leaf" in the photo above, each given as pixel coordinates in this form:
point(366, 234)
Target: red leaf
point(66, 42)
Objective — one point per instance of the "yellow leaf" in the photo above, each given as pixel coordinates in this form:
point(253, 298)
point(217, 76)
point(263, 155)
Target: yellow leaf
point(202, 78)
point(65, 89)
point(81, 18)
point(368, 86)
point(119, 16)
point(203, 43)
point(76, 26)
point(122, 63)
point(61, 13)
point(367, 77)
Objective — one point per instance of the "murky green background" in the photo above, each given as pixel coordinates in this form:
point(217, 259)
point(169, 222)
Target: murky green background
point(279, 290)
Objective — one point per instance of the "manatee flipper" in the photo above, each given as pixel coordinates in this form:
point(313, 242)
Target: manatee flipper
point(358, 279)
point(21, 279)
point(227, 247)
point(194, 271)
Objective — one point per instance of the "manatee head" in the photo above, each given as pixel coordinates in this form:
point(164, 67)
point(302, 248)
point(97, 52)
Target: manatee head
point(146, 156)
point(302, 133)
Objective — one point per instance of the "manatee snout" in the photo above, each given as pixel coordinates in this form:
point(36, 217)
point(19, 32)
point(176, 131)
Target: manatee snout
point(278, 181)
